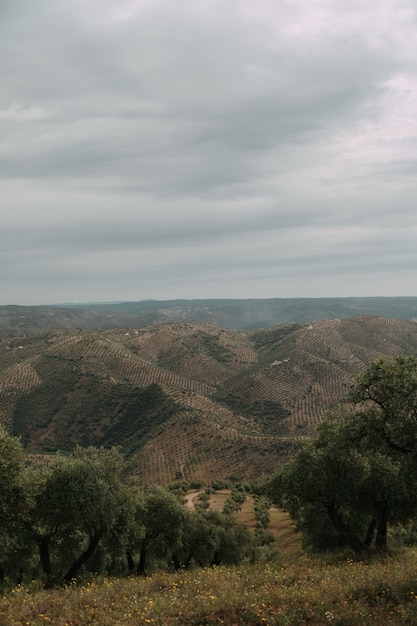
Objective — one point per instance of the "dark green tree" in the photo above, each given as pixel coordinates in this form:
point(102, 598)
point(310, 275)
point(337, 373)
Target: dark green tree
point(14, 504)
point(78, 500)
point(387, 391)
point(160, 519)
point(235, 540)
point(213, 537)
point(200, 539)
point(262, 507)
point(359, 474)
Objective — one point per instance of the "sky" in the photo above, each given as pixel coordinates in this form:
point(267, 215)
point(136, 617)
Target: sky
point(207, 149)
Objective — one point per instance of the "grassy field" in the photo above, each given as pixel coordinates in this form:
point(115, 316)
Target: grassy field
point(294, 591)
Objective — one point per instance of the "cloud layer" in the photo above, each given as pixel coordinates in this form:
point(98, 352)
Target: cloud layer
point(208, 148)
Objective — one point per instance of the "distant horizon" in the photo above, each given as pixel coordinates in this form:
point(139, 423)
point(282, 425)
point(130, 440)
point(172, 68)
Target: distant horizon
point(181, 299)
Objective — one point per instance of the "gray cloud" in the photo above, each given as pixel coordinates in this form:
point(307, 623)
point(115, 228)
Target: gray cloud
point(207, 149)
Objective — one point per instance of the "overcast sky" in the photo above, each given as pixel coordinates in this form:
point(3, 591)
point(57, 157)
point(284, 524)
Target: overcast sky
point(207, 149)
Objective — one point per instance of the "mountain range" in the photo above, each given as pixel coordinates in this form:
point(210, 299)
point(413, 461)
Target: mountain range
point(239, 314)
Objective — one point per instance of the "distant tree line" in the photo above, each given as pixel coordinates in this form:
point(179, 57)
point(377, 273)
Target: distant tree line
point(357, 479)
point(80, 512)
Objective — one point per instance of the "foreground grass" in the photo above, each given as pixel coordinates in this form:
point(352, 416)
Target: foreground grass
point(294, 592)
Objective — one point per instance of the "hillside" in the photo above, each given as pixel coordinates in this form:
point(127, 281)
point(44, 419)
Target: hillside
point(187, 400)
point(245, 314)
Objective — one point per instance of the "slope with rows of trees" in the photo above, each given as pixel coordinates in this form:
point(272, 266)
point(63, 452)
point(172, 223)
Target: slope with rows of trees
point(184, 399)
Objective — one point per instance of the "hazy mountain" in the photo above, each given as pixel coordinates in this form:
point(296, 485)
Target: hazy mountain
point(238, 314)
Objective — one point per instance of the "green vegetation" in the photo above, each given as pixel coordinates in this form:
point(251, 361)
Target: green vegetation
point(136, 413)
point(262, 511)
point(269, 414)
point(346, 486)
point(13, 501)
point(64, 518)
point(141, 556)
point(139, 414)
point(43, 402)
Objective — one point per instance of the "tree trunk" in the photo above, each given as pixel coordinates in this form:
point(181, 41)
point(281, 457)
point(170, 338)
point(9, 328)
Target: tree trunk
point(130, 561)
point(370, 533)
point(43, 542)
point(353, 540)
point(82, 559)
point(381, 530)
point(176, 561)
point(19, 580)
point(141, 570)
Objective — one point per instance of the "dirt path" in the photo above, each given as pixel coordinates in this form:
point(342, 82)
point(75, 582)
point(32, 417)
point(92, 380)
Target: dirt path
point(190, 497)
point(217, 499)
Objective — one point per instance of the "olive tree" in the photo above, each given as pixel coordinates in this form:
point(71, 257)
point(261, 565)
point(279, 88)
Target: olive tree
point(80, 499)
point(159, 526)
point(14, 502)
point(359, 474)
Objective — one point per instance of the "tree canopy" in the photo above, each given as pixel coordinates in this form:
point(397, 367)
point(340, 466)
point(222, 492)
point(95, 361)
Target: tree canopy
point(359, 474)
point(79, 511)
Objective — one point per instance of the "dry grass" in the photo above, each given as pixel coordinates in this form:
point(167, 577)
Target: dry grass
point(292, 592)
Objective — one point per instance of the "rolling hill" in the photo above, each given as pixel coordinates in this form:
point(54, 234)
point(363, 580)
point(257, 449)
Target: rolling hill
point(183, 399)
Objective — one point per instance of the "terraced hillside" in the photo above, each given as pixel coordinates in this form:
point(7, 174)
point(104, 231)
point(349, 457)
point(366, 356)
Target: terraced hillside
point(187, 400)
